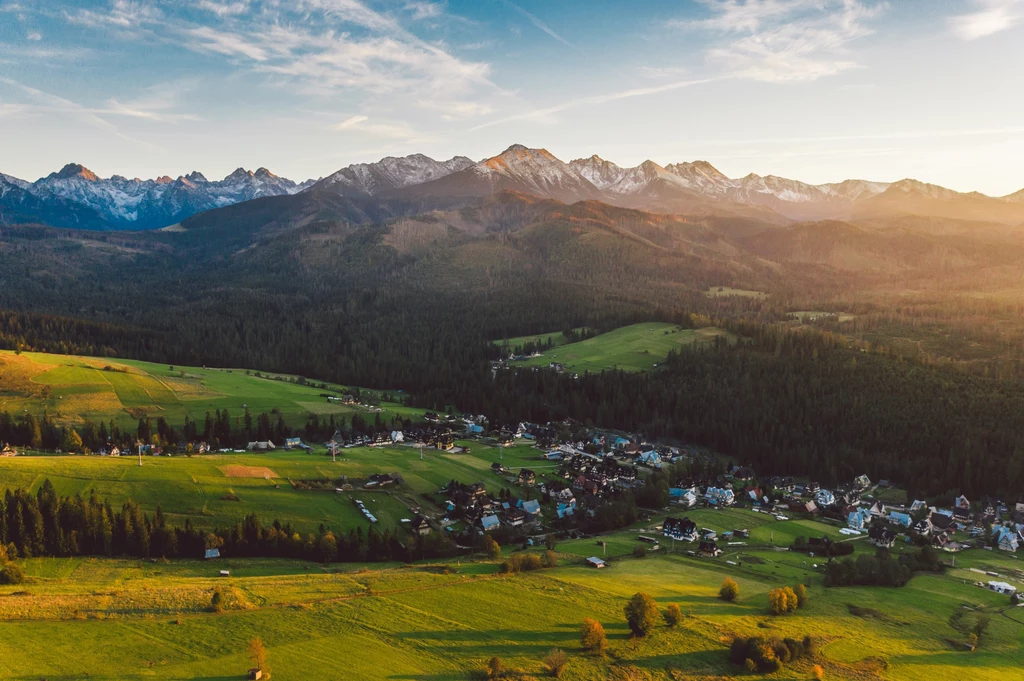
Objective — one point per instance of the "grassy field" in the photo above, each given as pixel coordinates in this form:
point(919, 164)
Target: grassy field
point(195, 487)
point(556, 338)
point(117, 619)
point(720, 291)
point(811, 315)
point(74, 389)
point(634, 348)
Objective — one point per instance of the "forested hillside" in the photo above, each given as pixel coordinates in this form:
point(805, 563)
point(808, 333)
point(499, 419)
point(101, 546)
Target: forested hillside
point(410, 293)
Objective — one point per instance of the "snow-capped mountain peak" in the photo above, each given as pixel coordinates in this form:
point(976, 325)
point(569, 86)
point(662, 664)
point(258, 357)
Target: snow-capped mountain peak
point(601, 173)
point(389, 173)
point(145, 204)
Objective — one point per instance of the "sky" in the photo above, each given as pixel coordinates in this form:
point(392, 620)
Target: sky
point(815, 90)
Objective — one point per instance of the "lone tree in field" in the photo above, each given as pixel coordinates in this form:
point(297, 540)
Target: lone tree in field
point(555, 661)
point(641, 614)
point(258, 654)
point(782, 600)
point(801, 595)
point(592, 636)
point(729, 591)
point(492, 549)
point(217, 601)
point(673, 615)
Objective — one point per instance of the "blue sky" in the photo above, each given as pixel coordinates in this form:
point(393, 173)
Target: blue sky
point(817, 90)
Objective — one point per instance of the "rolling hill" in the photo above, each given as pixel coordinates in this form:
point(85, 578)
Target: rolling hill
point(74, 389)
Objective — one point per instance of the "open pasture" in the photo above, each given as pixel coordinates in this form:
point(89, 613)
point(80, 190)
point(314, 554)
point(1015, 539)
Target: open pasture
point(639, 347)
point(221, 489)
point(118, 619)
point(556, 338)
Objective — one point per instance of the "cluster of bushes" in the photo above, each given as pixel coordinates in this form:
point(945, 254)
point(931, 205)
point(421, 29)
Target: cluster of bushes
point(881, 569)
point(787, 599)
point(554, 664)
point(758, 654)
point(830, 549)
point(528, 562)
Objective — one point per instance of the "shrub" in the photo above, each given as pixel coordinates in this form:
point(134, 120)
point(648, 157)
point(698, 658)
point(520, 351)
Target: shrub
point(495, 670)
point(818, 672)
point(521, 562)
point(801, 595)
point(673, 615)
point(729, 591)
point(639, 551)
point(492, 549)
point(555, 661)
point(12, 574)
point(550, 559)
point(217, 601)
point(641, 614)
point(258, 654)
point(592, 636)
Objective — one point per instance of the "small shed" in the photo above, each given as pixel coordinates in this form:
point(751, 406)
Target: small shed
point(255, 674)
point(595, 562)
point(225, 573)
point(211, 553)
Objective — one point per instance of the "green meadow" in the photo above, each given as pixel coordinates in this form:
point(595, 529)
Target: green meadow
point(639, 347)
point(74, 389)
point(198, 487)
point(555, 338)
point(119, 619)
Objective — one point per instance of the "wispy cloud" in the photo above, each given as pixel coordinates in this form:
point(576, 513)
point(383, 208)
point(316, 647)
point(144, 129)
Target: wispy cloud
point(45, 102)
point(328, 47)
point(208, 39)
point(224, 9)
point(990, 17)
point(595, 100)
point(386, 129)
point(784, 40)
point(424, 10)
point(34, 35)
point(538, 23)
point(123, 15)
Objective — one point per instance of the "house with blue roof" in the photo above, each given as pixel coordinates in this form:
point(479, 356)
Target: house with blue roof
point(858, 519)
point(489, 522)
point(902, 519)
point(825, 498)
point(651, 458)
point(532, 507)
point(1006, 538)
point(718, 496)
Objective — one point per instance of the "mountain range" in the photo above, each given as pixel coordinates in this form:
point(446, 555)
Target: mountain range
point(76, 197)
